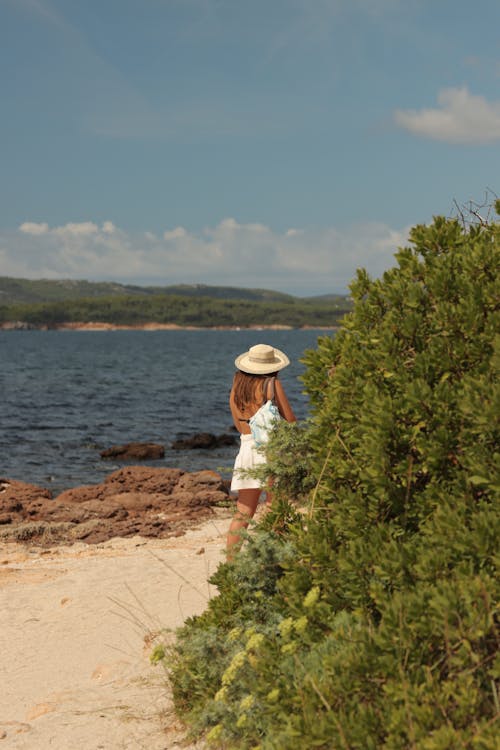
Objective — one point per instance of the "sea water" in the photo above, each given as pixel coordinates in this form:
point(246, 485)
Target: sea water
point(67, 395)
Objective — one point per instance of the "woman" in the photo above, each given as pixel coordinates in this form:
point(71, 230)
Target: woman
point(254, 380)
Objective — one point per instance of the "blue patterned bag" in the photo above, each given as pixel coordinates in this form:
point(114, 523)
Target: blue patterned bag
point(264, 419)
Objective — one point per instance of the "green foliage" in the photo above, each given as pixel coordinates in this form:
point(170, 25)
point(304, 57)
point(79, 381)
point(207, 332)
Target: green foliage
point(182, 310)
point(379, 626)
point(290, 461)
point(206, 650)
point(14, 290)
point(50, 303)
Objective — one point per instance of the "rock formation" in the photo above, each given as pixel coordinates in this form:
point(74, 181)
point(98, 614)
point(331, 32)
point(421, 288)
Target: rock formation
point(204, 440)
point(134, 451)
point(151, 502)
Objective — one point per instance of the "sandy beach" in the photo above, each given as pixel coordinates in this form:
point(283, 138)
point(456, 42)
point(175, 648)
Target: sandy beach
point(77, 624)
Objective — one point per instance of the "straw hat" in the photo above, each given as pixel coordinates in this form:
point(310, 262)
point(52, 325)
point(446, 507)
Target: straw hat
point(261, 359)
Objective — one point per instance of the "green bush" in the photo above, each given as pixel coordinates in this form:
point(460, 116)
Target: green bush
point(371, 619)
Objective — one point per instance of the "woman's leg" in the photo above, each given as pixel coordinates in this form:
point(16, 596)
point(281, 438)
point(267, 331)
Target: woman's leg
point(246, 506)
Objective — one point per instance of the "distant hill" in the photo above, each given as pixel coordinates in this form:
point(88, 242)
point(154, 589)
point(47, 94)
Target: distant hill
point(334, 298)
point(27, 291)
point(44, 303)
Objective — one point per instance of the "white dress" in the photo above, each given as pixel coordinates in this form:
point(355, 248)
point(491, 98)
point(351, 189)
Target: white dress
point(249, 456)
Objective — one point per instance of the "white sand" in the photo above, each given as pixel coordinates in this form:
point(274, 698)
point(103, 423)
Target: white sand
point(76, 627)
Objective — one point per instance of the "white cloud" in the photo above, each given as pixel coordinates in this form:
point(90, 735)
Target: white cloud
point(108, 227)
point(83, 228)
point(174, 234)
point(301, 261)
point(460, 118)
point(31, 227)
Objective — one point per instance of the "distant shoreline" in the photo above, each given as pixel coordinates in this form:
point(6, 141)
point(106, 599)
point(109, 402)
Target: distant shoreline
point(102, 326)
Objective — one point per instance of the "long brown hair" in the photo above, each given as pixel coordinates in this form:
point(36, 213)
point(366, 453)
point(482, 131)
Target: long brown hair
point(249, 389)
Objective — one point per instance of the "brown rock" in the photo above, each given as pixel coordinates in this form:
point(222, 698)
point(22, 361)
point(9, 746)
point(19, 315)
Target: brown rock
point(182, 499)
point(152, 502)
point(144, 479)
point(83, 494)
point(134, 452)
point(200, 481)
point(202, 498)
point(138, 501)
point(203, 441)
point(76, 514)
point(212, 497)
point(13, 491)
point(105, 508)
point(83, 531)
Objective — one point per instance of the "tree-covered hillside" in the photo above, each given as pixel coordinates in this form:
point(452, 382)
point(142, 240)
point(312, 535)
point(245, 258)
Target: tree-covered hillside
point(370, 619)
point(29, 291)
point(52, 303)
point(179, 310)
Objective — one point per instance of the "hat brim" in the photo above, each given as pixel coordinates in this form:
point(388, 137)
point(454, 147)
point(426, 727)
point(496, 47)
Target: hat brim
point(245, 364)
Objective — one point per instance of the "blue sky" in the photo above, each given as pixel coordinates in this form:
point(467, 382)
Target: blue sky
point(279, 144)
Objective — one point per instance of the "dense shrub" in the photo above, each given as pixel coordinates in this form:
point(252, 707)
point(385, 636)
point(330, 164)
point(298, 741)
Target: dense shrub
point(371, 619)
point(178, 309)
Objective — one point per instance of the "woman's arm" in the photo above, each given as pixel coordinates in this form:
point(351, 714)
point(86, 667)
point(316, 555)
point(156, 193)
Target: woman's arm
point(284, 407)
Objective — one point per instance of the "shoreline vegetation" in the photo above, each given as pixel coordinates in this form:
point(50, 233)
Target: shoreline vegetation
point(49, 305)
point(103, 326)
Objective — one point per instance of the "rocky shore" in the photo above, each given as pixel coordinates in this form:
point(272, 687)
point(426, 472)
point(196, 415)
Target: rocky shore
point(135, 500)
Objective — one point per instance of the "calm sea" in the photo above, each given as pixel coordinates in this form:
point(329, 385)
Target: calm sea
point(66, 395)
